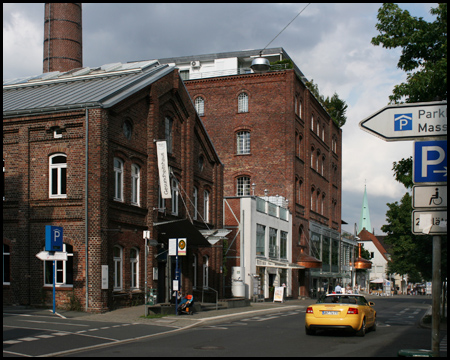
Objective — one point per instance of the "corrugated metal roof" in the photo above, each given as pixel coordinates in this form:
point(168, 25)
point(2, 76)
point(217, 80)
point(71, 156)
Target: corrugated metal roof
point(104, 86)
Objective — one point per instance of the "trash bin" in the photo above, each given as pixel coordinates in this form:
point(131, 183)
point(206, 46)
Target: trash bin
point(152, 294)
point(415, 353)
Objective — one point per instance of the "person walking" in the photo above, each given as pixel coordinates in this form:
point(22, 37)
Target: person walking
point(338, 289)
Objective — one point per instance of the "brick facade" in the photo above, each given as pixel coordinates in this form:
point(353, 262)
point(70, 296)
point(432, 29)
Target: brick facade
point(28, 143)
point(295, 147)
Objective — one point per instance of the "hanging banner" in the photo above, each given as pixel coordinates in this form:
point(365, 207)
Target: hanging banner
point(163, 168)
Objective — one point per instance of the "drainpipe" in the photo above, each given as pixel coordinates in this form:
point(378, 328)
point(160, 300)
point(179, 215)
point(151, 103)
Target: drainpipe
point(86, 209)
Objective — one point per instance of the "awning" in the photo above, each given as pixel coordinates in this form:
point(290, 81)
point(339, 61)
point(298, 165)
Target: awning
point(181, 229)
point(215, 235)
point(270, 263)
point(377, 281)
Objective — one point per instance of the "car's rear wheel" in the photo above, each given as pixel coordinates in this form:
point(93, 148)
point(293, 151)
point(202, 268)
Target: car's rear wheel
point(310, 331)
point(362, 331)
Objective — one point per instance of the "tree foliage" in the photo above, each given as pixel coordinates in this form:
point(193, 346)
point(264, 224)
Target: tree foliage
point(403, 172)
point(335, 106)
point(424, 51)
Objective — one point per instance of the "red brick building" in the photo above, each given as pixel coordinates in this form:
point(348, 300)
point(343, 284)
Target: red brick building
point(79, 152)
point(274, 138)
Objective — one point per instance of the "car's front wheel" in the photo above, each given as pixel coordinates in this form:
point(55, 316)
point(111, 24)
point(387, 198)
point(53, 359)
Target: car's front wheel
point(362, 331)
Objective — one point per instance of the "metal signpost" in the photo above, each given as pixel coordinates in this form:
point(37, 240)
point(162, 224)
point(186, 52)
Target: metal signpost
point(53, 252)
point(177, 247)
point(422, 121)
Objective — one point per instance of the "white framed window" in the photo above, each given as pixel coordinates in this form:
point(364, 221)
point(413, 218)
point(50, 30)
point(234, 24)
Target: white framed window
point(58, 176)
point(117, 256)
point(243, 142)
point(174, 196)
point(135, 184)
point(6, 265)
point(118, 179)
point(243, 186)
point(168, 131)
point(195, 203)
point(161, 201)
point(200, 106)
point(206, 206)
point(312, 122)
point(134, 268)
point(64, 269)
point(243, 103)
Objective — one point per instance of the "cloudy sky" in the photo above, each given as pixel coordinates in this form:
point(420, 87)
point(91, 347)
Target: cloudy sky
point(330, 43)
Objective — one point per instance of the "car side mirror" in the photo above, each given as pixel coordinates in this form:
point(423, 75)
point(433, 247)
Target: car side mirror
point(371, 303)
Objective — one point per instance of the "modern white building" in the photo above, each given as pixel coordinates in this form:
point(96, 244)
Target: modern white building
point(259, 253)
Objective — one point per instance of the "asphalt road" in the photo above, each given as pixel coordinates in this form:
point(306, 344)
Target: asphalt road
point(279, 333)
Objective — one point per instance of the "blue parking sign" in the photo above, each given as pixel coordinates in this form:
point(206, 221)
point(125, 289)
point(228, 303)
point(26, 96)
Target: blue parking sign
point(53, 238)
point(430, 161)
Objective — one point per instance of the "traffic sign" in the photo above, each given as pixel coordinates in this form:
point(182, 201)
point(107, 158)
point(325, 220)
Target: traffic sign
point(52, 255)
point(53, 238)
point(408, 121)
point(429, 222)
point(429, 196)
point(430, 161)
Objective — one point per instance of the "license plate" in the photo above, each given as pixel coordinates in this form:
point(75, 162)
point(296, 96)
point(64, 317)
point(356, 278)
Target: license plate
point(330, 312)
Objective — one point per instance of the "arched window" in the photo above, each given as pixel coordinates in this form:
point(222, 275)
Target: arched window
point(243, 142)
point(243, 103)
point(58, 176)
point(135, 184)
point(200, 105)
point(134, 268)
point(117, 256)
point(118, 179)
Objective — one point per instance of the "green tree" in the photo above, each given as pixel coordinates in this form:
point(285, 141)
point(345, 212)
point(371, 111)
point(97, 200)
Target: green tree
point(335, 107)
point(403, 172)
point(410, 254)
point(424, 51)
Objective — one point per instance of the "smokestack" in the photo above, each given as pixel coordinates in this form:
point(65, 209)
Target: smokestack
point(62, 37)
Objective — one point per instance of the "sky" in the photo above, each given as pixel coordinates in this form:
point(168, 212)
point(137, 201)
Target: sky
point(330, 43)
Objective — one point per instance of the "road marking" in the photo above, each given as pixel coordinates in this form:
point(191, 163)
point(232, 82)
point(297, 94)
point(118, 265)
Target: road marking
point(27, 339)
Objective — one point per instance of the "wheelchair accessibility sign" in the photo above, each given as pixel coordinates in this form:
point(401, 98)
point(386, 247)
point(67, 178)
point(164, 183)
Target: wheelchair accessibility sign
point(429, 196)
point(430, 161)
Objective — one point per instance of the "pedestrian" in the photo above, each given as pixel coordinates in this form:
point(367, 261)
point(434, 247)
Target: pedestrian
point(338, 289)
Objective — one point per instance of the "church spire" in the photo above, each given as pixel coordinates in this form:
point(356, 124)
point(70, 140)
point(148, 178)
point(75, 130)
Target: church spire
point(364, 221)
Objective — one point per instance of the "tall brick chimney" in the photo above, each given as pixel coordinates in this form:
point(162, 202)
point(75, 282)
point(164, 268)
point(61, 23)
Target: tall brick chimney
point(62, 37)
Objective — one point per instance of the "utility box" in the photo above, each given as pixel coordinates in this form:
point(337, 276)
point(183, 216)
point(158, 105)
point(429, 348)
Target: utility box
point(152, 296)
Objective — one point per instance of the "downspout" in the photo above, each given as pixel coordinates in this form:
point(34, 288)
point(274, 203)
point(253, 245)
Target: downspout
point(86, 209)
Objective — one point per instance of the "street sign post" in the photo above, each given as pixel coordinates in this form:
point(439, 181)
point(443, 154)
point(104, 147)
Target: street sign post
point(53, 238)
point(410, 121)
point(429, 196)
point(429, 222)
point(430, 161)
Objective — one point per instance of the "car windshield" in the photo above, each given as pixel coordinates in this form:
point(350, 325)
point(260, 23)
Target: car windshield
point(345, 299)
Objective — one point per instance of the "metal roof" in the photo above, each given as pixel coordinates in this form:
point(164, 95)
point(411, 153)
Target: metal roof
point(103, 87)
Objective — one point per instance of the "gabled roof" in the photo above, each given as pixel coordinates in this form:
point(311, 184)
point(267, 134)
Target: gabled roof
point(103, 87)
point(365, 235)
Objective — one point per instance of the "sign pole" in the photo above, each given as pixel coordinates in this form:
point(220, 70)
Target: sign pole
point(54, 283)
point(436, 292)
point(176, 278)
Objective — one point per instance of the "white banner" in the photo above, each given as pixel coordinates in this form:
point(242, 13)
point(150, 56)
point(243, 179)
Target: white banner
point(163, 167)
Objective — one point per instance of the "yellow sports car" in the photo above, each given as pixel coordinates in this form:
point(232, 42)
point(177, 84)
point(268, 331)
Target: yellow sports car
point(341, 311)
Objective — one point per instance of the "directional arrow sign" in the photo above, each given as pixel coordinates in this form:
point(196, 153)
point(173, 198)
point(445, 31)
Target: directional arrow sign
point(52, 255)
point(408, 121)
